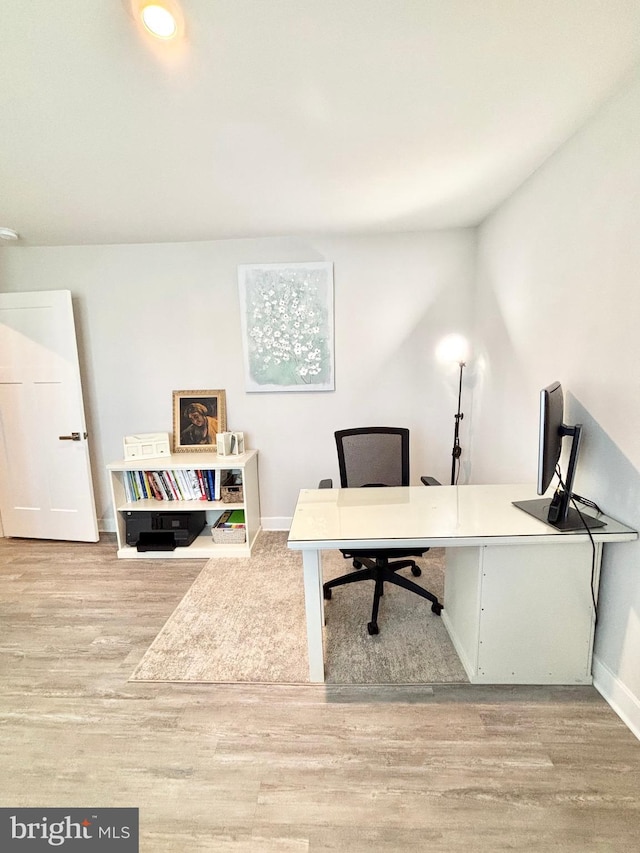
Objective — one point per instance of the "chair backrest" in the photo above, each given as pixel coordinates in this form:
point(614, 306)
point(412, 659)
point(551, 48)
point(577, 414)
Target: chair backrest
point(373, 456)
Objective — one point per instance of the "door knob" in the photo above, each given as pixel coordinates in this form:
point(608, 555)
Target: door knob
point(75, 436)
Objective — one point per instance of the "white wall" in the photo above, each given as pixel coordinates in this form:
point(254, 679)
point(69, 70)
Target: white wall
point(559, 298)
point(154, 318)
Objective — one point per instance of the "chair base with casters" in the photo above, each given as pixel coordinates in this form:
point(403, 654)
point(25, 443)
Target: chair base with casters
point(381, 571)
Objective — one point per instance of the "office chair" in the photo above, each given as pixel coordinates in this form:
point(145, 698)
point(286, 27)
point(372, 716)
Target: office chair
point(377, 456)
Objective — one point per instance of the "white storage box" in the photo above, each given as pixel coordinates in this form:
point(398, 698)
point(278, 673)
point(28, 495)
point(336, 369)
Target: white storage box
point(148, 445)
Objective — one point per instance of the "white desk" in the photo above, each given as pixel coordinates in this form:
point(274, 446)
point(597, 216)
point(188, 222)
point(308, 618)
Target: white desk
point(517, 601)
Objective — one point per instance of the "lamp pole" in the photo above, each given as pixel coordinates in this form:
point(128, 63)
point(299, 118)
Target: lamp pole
point(457, 450)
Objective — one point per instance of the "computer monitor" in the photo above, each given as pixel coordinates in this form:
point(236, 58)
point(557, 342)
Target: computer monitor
point(552, 429)
point(550, 425)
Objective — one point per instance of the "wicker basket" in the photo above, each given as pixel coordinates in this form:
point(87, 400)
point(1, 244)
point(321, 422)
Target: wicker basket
point(229, 535)
point(232, 492)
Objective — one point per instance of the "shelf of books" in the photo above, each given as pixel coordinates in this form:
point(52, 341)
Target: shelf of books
point(187, 505)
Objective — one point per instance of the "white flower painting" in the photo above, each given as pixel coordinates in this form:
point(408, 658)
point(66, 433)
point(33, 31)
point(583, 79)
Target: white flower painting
point(287, 326)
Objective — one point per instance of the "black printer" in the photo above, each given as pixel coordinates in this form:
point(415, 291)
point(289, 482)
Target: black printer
point(162, 531)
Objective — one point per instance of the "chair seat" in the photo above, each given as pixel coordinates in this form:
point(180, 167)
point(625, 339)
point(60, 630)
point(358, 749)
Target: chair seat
point(390, 554)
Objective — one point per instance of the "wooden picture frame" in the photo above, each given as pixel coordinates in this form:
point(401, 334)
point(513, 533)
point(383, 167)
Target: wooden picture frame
point(197, 417)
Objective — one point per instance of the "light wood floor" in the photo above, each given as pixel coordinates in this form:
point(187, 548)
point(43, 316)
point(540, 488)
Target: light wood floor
point(268, 769)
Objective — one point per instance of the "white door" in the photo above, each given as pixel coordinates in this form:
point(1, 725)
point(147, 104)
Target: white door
point(46, 491)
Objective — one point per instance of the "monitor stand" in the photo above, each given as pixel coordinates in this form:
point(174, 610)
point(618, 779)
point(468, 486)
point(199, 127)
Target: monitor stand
point(574, 522)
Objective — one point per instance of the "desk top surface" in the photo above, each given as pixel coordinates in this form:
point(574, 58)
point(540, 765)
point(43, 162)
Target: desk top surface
point(436, 516)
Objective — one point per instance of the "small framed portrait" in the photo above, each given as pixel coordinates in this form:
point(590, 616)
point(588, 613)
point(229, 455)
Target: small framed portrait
point(197, 417)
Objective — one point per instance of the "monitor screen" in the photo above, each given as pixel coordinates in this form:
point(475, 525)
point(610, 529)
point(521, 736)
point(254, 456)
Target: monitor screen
point(552, 429)
point(550, 434)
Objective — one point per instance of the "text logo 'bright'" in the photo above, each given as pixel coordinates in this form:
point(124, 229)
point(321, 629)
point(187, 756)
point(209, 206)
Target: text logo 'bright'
point(79, 830)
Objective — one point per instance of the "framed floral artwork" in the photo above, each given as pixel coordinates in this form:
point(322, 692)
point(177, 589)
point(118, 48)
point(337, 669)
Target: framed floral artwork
point(287, 326)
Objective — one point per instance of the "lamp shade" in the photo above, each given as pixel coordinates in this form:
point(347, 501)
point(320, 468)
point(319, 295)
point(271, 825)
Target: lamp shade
point(453, 348)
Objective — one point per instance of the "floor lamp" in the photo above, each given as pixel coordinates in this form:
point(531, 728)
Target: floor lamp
point(454, 348)
point(457, 450)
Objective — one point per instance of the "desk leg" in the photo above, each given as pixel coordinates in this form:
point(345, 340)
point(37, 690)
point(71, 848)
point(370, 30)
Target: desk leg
point(314, 610)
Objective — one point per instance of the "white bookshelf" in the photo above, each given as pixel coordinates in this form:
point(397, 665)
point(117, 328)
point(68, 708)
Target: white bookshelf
point(203, 546)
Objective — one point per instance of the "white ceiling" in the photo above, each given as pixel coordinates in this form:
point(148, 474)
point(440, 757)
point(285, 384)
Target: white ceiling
point(286, 117)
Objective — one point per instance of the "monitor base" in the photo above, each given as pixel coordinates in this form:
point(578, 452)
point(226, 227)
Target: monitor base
point(574, 522)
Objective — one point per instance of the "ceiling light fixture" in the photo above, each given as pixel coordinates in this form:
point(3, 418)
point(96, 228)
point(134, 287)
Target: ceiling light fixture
point(8, 234)
point(159, 21)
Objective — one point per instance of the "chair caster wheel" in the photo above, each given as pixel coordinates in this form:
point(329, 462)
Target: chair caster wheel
point(327, 594)
point(357, 564)
point(372, 628)
point(436, 608)
point(415, 571)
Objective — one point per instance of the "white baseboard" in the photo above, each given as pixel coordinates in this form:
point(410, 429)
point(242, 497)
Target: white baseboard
point(617, 694)
point(276, 523)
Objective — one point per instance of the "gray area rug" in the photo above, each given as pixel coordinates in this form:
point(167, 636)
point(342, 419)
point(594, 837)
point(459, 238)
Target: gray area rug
point(243, 620)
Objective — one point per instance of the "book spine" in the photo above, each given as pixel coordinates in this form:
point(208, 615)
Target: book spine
point(203, 494)
point(134, 486)
point(183, 482)
point(212, 485)
point(172, 486)
point(175, 486)
point(141, 486)
point(205, 485)
point(128, 489)
point(195, 485)
point(154, 485)
point(164, 487)
point(147, 484)
point(164, 483)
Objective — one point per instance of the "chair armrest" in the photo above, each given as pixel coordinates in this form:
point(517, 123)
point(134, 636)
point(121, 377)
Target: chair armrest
point(325, 484)
point(430, 481)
